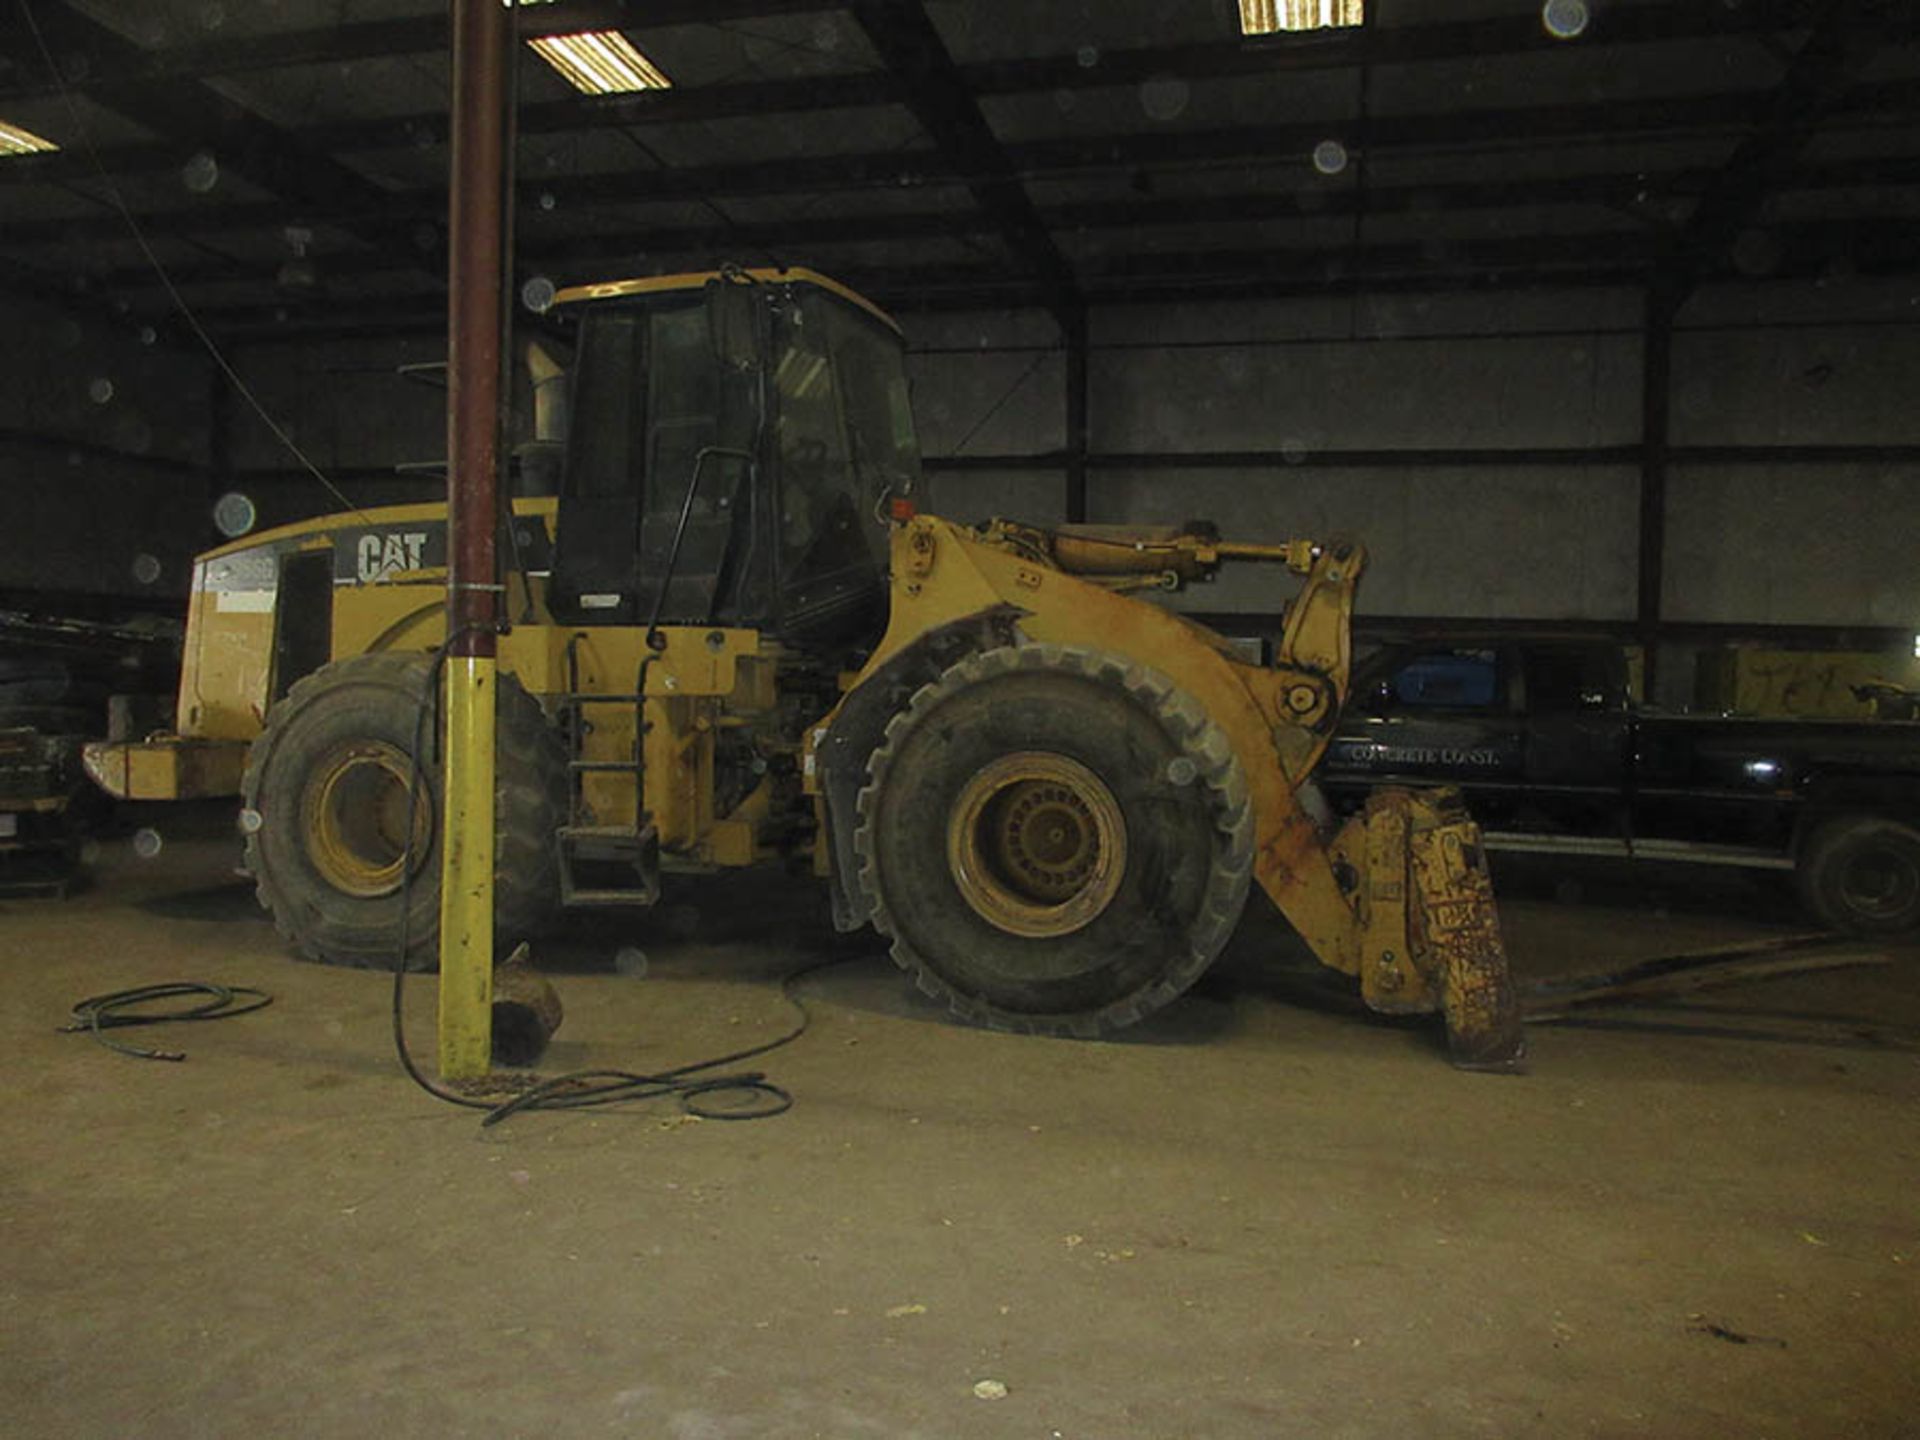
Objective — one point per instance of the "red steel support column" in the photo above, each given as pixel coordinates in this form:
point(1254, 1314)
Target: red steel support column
point(482, 30)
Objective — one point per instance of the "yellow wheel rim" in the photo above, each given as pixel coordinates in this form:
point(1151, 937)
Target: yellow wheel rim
point(353, 815)
point(1037, 844)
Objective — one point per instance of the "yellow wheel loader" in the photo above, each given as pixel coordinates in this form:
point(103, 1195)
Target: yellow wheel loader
point(734, 642)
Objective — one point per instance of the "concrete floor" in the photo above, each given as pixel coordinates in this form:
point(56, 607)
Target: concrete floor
point(1254, 1217)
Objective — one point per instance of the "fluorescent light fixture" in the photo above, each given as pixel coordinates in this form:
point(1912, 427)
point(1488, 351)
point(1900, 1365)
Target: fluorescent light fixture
point(596, 62)
point(15, 141)
point(600, 62)
point(1268, 17)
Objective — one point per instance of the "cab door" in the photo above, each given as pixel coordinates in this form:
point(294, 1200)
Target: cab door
point(1432, 715)
point(650, 397)
point(1574, 697)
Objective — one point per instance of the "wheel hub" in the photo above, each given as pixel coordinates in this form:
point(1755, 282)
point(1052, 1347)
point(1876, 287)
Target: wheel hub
point(1037, 844)
point(353, 817)
point(1880, 882)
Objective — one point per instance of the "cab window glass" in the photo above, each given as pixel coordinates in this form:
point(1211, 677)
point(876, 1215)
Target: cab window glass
point(605, 452)
point(1448, 680)
point(815, 503)
point(873, 394)
point(1574, 677)
point(683, 395)
point(845, 435)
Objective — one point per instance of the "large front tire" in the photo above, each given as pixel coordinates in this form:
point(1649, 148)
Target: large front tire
point(326, 802)
point(1056, 840)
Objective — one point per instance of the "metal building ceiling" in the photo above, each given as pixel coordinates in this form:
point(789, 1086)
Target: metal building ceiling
point(960, 154)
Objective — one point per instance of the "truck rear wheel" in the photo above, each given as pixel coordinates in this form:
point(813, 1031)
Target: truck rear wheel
point(326, 802)
point(1861, 873)
point(1056, 840)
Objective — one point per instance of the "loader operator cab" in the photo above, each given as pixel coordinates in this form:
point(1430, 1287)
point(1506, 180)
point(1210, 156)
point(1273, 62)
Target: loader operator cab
point(771, 408)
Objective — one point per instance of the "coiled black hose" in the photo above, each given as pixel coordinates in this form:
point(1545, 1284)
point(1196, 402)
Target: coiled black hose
point(98, 1014)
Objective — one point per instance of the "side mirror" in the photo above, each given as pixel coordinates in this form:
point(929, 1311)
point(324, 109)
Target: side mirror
point(731, 316)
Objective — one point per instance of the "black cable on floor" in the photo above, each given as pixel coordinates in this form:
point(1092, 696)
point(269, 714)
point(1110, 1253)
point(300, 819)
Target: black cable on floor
point(99, 1013)
point(692, 1084)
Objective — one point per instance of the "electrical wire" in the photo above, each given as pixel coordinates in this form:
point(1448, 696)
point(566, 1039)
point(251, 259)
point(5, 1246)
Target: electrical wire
point(693, 1084)
point(98, 1014)
point(179, 302)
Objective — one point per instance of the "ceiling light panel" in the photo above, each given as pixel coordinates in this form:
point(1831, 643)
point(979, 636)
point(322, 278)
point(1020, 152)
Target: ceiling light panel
point(15, 141)
point(1269, 17)
point(600, 62)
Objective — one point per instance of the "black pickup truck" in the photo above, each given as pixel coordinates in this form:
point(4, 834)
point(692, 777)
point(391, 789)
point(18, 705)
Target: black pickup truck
point(1553, 758)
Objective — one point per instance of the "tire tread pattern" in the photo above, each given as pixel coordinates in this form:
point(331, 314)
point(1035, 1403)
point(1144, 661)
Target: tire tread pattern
point(529, 787)
point(1218, 769)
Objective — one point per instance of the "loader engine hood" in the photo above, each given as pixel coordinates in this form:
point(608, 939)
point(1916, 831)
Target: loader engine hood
point(262, 610)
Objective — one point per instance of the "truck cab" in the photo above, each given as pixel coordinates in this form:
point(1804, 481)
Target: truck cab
point(1554, 756)
point(1535, 734)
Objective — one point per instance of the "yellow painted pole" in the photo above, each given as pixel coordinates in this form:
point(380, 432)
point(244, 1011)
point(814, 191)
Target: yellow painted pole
point(466, 872)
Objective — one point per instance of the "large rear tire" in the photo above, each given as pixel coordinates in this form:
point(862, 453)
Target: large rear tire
point(1056, 840)
point(1861, 874)
point(326, 802)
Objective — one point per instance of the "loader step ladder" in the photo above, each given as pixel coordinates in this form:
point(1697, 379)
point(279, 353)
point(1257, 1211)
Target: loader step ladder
point(604, 865)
